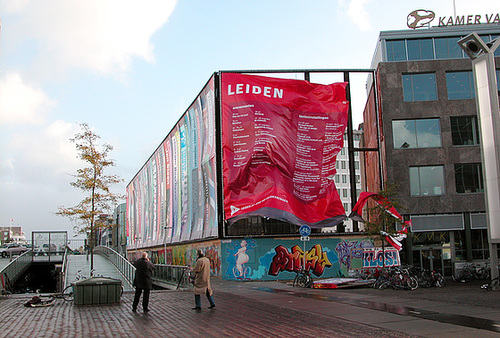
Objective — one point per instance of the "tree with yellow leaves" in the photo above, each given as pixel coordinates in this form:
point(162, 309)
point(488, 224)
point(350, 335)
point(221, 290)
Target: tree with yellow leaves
point(93, 181)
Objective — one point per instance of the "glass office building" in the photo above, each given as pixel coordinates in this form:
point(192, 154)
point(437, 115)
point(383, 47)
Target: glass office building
point(429, 142)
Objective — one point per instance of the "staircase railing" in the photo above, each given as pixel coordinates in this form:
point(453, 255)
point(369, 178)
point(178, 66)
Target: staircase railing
point(13, 270)
point(120, 262)
point(163, 275)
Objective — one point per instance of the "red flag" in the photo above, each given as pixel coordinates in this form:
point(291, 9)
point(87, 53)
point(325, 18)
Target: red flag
point(381, 200)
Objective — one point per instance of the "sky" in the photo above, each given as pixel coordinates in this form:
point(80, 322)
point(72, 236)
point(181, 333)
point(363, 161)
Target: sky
point(130, 69)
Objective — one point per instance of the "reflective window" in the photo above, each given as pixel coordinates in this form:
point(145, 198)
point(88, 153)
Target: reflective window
point(448, 48)
point(424, 133)
point(460, 85)
point(468, 178)
point(420, 49)
point(419, 87)
point(498, 80)
point(497, 52)
point(427, 181)
point(479, 243)
point(464, 131)
point(396, 50)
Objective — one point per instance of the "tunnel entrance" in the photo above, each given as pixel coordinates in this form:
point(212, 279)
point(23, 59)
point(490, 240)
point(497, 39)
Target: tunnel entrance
point(39, 277)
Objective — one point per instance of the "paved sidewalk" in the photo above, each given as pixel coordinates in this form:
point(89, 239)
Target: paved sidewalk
point(252, 309)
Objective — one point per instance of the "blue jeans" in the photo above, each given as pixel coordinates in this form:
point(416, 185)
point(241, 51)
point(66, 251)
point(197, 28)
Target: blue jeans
point(197, 299)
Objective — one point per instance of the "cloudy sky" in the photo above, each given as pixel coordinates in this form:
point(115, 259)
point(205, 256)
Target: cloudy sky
point(131, 68)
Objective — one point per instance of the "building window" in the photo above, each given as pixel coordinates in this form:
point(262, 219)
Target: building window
point(420, 49)
point(480, 246)
point(344, 193)
point(343, 163)
point(447, 48)
point(468, 178)
point(419, 87)
point(464, 131)
point(344, 178)
point(396, 50)
point(460, 85)
point(427, 181)
point(498, 77)
point(424, 133)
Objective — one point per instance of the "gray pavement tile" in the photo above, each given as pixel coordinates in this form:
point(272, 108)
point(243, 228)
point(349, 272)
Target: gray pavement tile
point(423, 327)
point(375, 317)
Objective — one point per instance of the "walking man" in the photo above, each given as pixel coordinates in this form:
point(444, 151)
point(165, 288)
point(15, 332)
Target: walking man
point(202, 281)
point(142, 281)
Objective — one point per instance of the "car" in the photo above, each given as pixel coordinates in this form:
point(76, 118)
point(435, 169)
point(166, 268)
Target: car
point(12, 249)
point(49, 248)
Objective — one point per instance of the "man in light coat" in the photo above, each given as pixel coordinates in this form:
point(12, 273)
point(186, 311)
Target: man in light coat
point(202, 281)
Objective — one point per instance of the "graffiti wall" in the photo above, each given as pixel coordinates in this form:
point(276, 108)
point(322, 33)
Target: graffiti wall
point(278, 259)
point(185, 255)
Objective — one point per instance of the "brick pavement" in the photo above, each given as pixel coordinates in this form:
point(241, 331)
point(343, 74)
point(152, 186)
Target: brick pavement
point(171, 316)
point(264, 309)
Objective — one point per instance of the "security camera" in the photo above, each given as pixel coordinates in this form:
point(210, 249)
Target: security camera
point(472, 46)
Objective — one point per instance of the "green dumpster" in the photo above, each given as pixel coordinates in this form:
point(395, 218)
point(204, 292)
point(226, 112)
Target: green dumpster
point(97, 290)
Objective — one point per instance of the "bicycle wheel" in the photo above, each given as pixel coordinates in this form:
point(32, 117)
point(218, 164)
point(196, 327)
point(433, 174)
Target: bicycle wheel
point(413, 283)
point(494, 285)
point(302, 280)
point(384, 285)
point(68, 293)
point(440, 281)
point(308, 281)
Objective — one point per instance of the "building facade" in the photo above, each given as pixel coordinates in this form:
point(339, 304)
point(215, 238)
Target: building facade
point(176, 202)
point(427, 127)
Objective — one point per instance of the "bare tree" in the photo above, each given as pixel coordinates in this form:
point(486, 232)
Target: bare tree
point(95, 184)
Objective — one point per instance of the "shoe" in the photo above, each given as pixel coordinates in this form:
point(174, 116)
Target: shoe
point(197, 308)
point(146, 312)
point(211, 306)
point(134, 310)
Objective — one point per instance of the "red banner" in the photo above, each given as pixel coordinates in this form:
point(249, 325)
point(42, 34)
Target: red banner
point(280, 142)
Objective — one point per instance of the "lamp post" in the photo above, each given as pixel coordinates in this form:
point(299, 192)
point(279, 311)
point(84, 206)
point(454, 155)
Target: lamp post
point(483, 66)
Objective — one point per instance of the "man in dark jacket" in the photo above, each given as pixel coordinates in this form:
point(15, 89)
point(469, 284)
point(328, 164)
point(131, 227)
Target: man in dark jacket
point(142, 281)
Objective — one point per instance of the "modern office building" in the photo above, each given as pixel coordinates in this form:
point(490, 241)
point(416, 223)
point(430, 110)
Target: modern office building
point(429, 141)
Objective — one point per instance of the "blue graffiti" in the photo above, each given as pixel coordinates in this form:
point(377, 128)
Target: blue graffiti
point(350, 250)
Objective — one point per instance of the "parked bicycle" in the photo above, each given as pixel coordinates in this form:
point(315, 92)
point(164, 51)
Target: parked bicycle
point(303, 279)
point(427, 278)
point(396, 278)
point(471, 271)
point(494, 284)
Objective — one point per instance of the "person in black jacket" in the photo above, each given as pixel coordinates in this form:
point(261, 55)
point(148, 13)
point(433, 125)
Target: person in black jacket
point(142, 281)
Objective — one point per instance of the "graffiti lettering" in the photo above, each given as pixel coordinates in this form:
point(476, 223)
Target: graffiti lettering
point(349, 250)
point(374, 258)
point(316, 260)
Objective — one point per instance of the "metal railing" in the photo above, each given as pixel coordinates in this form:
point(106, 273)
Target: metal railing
point(177, 275)
point(172, 275)
point(120, 262)
point(13, 270)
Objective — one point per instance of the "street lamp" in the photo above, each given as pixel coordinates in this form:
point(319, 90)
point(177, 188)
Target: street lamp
point(483, 65)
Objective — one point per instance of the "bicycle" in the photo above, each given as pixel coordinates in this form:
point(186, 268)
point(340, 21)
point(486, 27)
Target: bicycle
point(494, 284)
point(43, 300)
point(303, 279)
